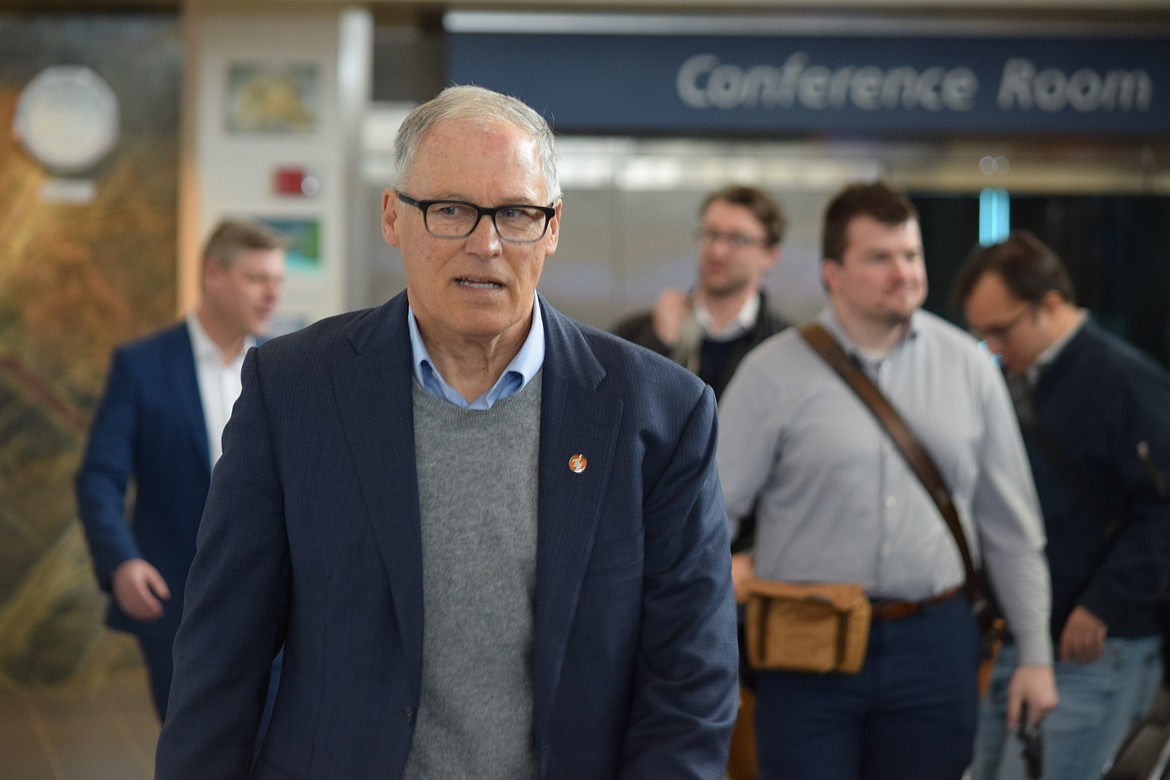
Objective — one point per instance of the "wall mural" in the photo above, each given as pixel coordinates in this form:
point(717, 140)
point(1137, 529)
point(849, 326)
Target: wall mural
point(87, 260)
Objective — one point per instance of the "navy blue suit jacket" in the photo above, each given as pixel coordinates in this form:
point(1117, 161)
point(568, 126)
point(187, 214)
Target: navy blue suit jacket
point(311, 538)
point(149, 428)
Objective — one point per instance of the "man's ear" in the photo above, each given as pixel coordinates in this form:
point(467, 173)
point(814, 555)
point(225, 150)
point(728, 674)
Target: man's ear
point(829, 271)
point(1052, 302)
point(774, 258)
point(390, 216)
point(554, 230)
point(211, 270)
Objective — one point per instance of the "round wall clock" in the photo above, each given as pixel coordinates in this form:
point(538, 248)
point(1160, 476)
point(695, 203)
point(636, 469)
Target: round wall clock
point(67, 118)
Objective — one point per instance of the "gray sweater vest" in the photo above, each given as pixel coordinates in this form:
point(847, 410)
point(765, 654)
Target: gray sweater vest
point(477, 485)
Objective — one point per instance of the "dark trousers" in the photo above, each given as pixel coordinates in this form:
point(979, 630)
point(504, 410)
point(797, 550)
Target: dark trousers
point(909, 714)
point(156, 651)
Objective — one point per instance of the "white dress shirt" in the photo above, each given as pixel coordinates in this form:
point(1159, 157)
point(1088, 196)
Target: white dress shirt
point(219, 382)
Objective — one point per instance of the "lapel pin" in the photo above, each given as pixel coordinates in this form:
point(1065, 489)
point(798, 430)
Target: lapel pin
point(577, 463)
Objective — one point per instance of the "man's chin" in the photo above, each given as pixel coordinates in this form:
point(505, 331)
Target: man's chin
point(721, 289)
point(903, 311)
point(900, 315)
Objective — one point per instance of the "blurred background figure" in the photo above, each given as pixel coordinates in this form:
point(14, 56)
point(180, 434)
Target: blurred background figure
point(712, 327)
point(1095, 414)
point(158, 428)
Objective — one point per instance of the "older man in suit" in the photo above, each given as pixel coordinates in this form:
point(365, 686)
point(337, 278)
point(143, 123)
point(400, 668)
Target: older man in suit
point(490, 539)
point(167, 399)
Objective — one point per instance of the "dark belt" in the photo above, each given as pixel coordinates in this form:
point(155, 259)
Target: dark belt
point(897, 610)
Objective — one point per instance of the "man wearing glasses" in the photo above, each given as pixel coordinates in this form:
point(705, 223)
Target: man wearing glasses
point(490, 539)
point(1095, 415)
point(710, 329)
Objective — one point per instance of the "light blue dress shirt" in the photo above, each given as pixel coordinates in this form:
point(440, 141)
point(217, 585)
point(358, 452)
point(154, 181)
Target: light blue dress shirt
point(519, 372)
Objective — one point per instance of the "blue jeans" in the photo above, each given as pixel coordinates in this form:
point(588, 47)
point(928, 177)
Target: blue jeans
point(909, 714)
point(1099, 703)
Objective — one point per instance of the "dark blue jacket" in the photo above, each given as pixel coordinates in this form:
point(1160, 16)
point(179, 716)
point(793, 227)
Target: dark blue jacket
point(311, 538)
point(719, 359)
point(1107, 409)
point(148, 430)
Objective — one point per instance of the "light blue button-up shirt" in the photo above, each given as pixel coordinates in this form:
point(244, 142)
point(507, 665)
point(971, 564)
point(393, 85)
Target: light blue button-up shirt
point(520, 371)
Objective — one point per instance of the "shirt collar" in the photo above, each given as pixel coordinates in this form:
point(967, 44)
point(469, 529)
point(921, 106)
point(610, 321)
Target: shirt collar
point(519, 372)
point(1045, 358)
point(739, 325)
point(828, 318)
point(206, 350)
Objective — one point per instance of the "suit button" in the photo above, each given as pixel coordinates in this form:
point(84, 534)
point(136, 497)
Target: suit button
point(408, 713)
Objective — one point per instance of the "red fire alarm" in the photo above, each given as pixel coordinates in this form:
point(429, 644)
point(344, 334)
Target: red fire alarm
point(294, 181)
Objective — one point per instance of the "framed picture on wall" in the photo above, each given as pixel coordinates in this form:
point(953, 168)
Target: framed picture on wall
point(268, 98)
point(304, 236)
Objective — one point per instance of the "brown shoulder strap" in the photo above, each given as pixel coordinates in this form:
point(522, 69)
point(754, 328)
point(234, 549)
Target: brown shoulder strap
point(908, 444)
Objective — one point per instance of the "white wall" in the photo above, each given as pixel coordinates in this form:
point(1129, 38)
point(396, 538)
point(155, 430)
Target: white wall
point(231, 172)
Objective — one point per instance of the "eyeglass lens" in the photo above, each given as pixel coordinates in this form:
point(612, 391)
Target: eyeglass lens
point(453, 219)
point(1001, 332)
point(734, 240)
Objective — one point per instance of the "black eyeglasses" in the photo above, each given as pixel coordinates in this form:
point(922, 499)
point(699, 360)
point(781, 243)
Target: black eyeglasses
point(521, 224)
point(733, 240)
point(1002, 331)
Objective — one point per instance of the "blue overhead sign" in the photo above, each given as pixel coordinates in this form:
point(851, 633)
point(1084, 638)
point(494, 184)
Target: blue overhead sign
point(840, 86)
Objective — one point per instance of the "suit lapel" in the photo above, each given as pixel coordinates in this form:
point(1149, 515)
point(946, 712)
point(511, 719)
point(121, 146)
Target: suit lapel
point(575, 420)
point(188, 401)
point(373, 392)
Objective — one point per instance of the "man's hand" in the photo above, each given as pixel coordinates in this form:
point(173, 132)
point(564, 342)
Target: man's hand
point(1036, 685)
point(140, 590)
point(670, 312)
point(742, 570)
point(1083, 639)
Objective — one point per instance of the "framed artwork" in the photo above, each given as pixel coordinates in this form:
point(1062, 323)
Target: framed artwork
point(277, 99)
point(304, 236)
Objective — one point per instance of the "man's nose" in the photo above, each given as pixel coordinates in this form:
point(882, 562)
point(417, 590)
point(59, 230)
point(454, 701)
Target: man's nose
point(484, 237)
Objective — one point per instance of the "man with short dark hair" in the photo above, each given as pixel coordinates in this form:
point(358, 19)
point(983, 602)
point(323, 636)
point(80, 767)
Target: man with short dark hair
point(158, 425)
point(835, 501)
point(490, 539)
point(1095, 414)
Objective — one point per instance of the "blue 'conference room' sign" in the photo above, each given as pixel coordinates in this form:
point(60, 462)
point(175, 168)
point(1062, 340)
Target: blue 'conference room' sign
point(843, 86)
